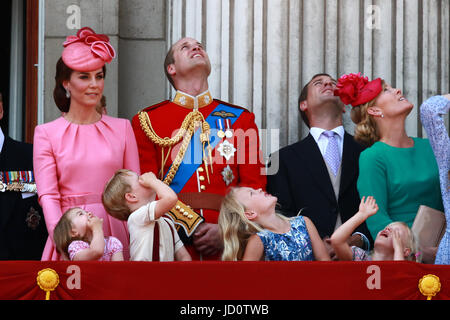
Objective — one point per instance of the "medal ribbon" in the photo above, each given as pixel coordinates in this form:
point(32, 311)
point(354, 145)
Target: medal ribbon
point(17, 176)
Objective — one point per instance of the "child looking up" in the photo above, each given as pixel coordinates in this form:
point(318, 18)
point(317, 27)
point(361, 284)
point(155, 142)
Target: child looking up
point(79, 235)
point(132, 198)
point(252, 230)
point(394, 242)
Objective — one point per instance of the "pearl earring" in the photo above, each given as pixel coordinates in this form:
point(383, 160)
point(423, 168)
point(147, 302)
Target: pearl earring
point(67, 94)
point(382, 115)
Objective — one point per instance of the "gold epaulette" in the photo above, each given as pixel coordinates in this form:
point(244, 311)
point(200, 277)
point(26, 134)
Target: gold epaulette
point(183, 216)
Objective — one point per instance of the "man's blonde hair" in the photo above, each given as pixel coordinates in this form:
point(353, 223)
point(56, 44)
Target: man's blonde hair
point(113, 196)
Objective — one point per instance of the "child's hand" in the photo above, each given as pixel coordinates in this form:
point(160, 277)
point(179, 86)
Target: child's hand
point(95, 223)
point(397, 240)
point(147, 179)
point(368, 206)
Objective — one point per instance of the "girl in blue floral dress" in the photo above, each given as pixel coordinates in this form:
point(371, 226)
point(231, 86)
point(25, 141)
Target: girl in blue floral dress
point(253, 231)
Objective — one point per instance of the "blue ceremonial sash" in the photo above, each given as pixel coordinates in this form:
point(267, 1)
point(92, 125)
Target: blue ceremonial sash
point(193, 157)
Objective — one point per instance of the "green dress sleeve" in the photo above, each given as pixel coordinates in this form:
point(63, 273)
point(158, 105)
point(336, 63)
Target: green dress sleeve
point(372, 181)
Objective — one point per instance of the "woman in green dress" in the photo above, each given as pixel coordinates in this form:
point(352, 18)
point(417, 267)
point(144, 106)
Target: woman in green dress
point(399, 171)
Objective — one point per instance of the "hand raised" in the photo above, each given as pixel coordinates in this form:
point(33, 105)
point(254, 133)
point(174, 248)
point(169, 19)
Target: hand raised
point(147, 179)
point(95, 222)
point(397, 241)
point(368, 206)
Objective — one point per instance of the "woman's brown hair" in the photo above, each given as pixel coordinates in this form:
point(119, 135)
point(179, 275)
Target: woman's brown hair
point(63, 73)
point(366, 130)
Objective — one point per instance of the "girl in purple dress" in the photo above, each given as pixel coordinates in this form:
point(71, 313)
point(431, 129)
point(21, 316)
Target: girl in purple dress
point(79, 236)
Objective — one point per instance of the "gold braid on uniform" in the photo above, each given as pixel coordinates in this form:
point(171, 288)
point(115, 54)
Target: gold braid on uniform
point(186, 131)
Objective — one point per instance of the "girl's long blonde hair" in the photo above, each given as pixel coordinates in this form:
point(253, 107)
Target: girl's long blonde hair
point(235, 227)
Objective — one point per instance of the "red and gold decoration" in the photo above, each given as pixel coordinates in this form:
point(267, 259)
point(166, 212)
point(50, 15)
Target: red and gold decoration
point(47, 280)
point(302, 280)
point(429, 285)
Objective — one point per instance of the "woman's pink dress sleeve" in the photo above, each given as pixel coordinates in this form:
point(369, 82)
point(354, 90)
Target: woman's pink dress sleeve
point(45, 172)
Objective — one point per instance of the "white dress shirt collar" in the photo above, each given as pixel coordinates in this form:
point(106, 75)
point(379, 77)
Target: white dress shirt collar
point(322, 141)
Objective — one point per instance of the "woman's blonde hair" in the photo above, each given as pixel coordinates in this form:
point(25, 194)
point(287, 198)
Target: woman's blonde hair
point(62, 234)
point(366, 130)
point(113, 196)
point(235, 227)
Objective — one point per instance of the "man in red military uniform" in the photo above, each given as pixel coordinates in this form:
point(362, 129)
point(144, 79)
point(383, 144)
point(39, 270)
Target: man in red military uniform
point(198, 145)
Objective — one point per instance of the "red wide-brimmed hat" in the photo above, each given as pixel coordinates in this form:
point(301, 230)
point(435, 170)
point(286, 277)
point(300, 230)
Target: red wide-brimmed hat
point(87, 51)
point(356, 90)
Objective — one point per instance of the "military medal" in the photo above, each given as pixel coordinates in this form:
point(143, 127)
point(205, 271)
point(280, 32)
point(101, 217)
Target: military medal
point(227, 175)
point(228, 132)
point(19, 181)
point(220, 133)
point(226, 150)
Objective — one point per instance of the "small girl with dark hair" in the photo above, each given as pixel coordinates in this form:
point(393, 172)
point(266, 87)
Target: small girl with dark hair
point(79, 236)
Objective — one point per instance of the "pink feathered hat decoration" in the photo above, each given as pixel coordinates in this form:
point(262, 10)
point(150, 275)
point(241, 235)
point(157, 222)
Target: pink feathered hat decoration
point(87, 51)
point(356, 90)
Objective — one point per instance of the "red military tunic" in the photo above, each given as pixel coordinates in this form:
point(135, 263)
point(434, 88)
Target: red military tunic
point(246, 163)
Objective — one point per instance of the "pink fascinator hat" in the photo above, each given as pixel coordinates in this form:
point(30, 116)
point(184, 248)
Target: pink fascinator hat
point(356, 90)
point(87, 51)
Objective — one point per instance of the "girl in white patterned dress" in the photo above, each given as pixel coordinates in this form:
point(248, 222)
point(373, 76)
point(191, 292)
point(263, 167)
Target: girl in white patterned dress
point(395, 242)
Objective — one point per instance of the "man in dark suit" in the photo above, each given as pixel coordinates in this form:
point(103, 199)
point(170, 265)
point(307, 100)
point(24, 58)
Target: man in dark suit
point(311, 177)
point(22, 226)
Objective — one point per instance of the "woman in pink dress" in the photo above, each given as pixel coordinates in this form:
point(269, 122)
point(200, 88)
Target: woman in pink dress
point(76, 154)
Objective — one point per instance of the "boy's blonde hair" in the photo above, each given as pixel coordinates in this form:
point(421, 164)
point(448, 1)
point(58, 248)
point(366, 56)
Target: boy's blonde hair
point(235, 227)
point(113, 196)
point(62, 234)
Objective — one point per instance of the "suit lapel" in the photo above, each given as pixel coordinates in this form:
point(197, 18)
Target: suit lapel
point(350, 159)
point(7, 201)
point(311, 157)
point(3, 157)
point(7, 161)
